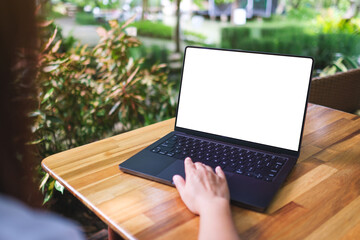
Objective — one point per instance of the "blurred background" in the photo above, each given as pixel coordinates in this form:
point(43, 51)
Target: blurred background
point(110, 66)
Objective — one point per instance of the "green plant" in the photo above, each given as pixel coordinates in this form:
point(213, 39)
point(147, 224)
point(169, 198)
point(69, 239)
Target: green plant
point(88, 94)
point(160, 30)
point(293, 39)
point(153, 29)
point(85, 18)
point(342, 64)
point(220, 2)
point(337, 25)
point(303, 13)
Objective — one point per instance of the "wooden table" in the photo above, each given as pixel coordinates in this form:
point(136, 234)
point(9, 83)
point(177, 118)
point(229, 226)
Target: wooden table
point(320, 199)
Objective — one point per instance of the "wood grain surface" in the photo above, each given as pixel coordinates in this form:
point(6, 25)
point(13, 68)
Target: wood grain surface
point(319, 200)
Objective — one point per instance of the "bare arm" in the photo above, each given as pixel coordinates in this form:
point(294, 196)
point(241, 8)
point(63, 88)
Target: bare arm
point(206, 193)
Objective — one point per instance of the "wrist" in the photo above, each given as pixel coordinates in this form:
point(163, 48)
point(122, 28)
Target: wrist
point(215, 206)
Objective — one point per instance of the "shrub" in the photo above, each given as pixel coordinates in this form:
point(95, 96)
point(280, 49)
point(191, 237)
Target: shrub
point(86, 92)
point(298, 40)
point(160, 30)
point(153, 29)
point(84, 18)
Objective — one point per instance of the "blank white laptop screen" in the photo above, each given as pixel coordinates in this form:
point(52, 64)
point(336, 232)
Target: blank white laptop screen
point(248, 96)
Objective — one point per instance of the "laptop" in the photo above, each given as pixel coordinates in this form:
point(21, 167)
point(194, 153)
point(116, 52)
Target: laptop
point(241, 110)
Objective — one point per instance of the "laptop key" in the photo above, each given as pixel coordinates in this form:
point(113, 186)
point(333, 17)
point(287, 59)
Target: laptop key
point(155, 150)
point(269, 179)
point(223, 163)
point(240, 171)
point(271, 175)
point(170, 154)
point(250, 174)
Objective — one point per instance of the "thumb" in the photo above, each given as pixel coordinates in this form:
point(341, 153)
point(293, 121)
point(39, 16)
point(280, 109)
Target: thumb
point(179, 183)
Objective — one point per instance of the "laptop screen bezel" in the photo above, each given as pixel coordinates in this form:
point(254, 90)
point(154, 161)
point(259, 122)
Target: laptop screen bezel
point(239, 141)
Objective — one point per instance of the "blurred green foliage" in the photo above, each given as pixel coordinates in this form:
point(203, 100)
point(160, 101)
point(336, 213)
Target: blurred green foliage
point(153, 29)
point(304, 13)
point(90, 93)
point(220, 2)
point(315, 39)
point(93, 3)
point(147, 28)
point(342, 64)
point(338, 25)
point(85, 18)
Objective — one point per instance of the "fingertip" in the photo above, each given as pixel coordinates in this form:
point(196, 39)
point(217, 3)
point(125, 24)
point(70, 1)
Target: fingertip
point(177, 179)
point(219, 171)
point(179, 182)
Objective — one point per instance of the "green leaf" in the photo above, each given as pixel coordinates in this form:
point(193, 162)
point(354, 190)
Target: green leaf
point(51, 185)
point(54, 119)
point(59, 187)
point(44, 180)
point(47, 95)
point(48, 196)
point(100, 113)
point(56, 47)
point(35, 113)
point(35, 141)
point(119, 116)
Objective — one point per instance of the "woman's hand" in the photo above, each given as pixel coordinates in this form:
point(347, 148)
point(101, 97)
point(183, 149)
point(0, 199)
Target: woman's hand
point(206, 193)
point(203, 187)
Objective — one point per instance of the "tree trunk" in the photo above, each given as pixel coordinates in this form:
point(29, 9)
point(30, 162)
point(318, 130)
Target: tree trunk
point(177, 28)
point(296, 4)
point(144, 9)
point(352, 10)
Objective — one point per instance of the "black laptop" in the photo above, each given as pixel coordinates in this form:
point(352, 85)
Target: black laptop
point(243, 111)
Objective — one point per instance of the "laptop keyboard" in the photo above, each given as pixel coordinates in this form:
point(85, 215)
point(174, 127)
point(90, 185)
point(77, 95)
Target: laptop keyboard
point(246, 162)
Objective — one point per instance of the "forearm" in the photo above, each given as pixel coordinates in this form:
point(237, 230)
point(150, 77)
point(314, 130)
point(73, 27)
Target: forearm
point(216, 222)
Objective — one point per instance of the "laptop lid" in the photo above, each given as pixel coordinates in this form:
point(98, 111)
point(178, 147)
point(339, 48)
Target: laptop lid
point(248, 98)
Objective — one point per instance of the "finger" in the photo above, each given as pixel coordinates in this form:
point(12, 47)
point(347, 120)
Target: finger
point(220, 172)
point(198, 165)
point(179, 183)
point(208, 168)
point(189, 167)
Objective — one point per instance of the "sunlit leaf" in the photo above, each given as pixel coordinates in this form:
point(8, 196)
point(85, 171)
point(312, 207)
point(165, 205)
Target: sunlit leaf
point(36, 141)
point(116, 105)
point(130, 20)
point(50, 68)
point(50, 40)
point(47, 95)
point(48, 196)
point(35, 113)
point(45, 23)
point(44, 180)
point(56, 46)
point(101, 32)
point(59, 187)
point(132, 75)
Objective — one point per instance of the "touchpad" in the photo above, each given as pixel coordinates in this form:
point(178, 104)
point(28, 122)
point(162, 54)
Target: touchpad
point(176, 167)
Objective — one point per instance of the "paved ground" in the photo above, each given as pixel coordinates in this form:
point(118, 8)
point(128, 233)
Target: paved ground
point(87, 33)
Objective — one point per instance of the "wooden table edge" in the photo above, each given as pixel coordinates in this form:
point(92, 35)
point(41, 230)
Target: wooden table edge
point(94, 209)
point(79, 196)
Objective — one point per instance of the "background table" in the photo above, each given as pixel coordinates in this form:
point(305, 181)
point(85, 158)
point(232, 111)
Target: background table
point(320, 199)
